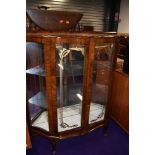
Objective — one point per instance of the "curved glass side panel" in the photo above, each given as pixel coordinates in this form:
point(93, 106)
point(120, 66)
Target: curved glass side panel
point(101, 78)
point(70, 73)
point(36, 86)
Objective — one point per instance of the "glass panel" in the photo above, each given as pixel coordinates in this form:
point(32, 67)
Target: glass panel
point(101, 77)
point(36, 86)
point(70, 72)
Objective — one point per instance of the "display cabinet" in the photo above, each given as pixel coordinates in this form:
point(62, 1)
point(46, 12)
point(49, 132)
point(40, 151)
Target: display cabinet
point(69, 78)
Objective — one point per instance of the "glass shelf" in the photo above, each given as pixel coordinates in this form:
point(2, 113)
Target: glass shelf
point(74, 68)
point(39, 99)
point(36, 71)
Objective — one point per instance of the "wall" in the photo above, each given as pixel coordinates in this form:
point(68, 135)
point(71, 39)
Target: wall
point(93, 10)
point(123, 26)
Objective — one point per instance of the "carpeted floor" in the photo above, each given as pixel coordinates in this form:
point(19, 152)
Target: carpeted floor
point(95, 143)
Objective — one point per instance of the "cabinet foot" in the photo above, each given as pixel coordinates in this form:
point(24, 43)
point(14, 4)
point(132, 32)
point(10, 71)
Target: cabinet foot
point(105, 130)
point(54, 147)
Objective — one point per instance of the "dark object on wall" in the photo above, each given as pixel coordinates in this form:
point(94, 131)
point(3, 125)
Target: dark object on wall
point(51, 20)
point(111, 16)
point(126, 60)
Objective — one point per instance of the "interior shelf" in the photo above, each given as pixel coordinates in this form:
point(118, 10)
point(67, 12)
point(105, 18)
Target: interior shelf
point(71, 69)
point(71, 116)
point(39, 99)
point(36, 71)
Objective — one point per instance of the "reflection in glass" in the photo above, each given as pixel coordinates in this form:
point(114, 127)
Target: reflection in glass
point(36, 88)
point(101, 77)
point(70, 68)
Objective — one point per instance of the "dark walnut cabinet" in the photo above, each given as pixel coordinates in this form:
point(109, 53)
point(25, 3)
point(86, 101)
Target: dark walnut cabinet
point(69, 80)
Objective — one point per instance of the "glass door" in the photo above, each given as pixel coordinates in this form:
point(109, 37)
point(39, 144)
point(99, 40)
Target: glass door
point(36, 85)
point(102, 68)
point(70, 60)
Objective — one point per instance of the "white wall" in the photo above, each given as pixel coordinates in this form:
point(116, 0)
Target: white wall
point(123, 26)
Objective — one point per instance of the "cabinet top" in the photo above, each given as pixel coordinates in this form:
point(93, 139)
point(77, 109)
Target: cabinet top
point(71, 34)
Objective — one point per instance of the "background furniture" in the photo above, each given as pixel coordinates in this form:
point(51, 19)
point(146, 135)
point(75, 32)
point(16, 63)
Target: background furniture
point(120, 99)
point(120, 90)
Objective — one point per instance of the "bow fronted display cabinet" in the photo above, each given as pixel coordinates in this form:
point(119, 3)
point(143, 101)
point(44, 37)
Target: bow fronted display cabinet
point(69, 79)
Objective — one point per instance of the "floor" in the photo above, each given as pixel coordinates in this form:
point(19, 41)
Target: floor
point(115, 143)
